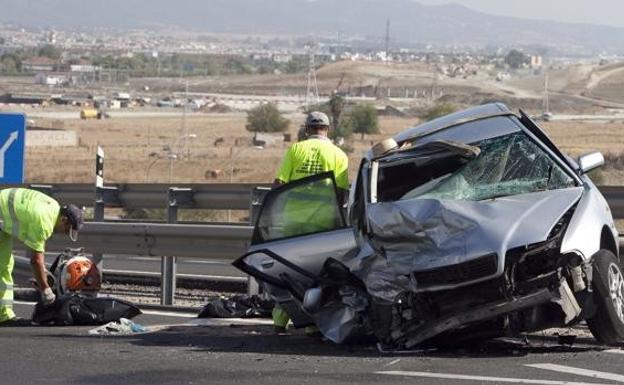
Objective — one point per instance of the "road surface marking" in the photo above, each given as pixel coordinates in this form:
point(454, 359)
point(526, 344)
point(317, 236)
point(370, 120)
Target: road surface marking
point(231, 321)
point(579, 371)
point(614, 351)
point(447, 376)
point(169, 313)
point(393, 362)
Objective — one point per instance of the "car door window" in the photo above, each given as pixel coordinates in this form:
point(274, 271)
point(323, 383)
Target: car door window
point(306, 206)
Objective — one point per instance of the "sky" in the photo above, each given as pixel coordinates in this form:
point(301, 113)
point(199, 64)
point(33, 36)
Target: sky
point(602, 12)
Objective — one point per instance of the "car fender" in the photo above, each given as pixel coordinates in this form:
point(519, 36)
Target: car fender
point(584, 233)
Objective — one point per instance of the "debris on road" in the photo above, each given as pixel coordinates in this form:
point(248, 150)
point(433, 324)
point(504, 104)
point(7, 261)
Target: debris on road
point(237, 306)
point(77, 309)
point(123, 327)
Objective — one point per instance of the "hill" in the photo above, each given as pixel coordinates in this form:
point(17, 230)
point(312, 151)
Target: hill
point(411, 22)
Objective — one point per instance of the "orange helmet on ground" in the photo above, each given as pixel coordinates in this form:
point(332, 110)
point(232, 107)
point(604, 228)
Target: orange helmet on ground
point(78, 274)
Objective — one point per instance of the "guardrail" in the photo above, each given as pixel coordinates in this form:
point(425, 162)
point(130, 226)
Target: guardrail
point(235, 196)
point(210, 241)
point(223, 242)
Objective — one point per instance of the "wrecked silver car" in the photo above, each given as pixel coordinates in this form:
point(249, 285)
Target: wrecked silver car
point(473, 225)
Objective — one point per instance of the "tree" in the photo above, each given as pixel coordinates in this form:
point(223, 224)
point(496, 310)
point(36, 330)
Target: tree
point(336, 105)
point(364, 119)
point(266, 118)
point(515, 59)
point(50, 51)
point(343, 130)
point(10, 63)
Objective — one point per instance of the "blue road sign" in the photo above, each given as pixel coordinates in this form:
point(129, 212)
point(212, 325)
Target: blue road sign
point(12, 141)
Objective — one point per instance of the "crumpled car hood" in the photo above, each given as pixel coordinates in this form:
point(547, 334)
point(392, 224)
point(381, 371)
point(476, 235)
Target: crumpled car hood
point(423, 234)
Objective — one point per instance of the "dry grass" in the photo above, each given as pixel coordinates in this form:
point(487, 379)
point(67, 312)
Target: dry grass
point(128, 144)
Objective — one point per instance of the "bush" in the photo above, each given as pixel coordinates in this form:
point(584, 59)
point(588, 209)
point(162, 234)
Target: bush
point(343, 130)
point(438, 111)
point(49, 51)
point(336, 104)
point(364, 119)
point(515, 59)
point(266, 118)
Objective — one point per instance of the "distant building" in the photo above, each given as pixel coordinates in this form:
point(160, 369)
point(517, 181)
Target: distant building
point(84, 68)
point(536, 61)
point(39, 64)
point(84, 73)
point(282, 58)
point(50, 78)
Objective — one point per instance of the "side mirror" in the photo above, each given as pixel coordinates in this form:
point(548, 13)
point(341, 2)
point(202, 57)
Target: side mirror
point(590, 161)
point(312, 300)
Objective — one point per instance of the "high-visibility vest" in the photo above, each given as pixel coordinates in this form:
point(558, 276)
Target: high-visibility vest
point(28, 215)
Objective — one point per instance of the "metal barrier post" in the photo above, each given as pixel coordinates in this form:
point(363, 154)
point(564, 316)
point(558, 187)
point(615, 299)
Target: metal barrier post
point(175, 198)
point(98, 207)
point(257, 197)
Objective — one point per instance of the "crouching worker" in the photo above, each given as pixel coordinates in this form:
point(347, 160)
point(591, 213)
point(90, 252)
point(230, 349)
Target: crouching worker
point(31, 217)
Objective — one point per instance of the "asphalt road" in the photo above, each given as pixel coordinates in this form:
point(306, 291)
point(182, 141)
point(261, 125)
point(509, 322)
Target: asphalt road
point(235, 353)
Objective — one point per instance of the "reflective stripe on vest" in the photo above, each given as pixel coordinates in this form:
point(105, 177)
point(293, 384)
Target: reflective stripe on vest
point(13, 215)
point(5, 286)
point(15, 223)
point(6, 302)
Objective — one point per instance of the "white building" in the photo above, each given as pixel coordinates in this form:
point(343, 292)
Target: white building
point(50, 79)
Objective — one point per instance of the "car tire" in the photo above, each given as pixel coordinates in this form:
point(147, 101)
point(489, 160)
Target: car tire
point(607, 325)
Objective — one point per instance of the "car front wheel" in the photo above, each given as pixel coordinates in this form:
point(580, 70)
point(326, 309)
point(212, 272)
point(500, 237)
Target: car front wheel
point(607, 325)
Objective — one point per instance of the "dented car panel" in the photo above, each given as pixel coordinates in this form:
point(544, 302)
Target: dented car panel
point(473, 224)
point(420, 235)
point(591, 228)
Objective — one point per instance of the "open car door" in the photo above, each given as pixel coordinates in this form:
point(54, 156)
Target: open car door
point(300, 225)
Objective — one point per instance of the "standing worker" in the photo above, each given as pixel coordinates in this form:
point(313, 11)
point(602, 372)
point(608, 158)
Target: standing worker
point(314, 155)
point(31, 217)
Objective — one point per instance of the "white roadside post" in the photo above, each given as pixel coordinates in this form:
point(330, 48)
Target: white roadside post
point(98, 212)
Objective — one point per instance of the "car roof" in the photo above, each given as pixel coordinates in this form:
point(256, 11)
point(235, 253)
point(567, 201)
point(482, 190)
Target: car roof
point(454, 119)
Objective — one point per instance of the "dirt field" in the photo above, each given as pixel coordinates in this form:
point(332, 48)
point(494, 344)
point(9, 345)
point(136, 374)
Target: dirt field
point(136, 149)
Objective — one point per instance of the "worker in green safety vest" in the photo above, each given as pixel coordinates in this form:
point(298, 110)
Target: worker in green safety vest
point(308, 209)
point(31, 217)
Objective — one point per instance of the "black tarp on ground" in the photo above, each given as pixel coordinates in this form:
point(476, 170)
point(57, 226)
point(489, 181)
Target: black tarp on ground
point(238, 306)
point(76, 309)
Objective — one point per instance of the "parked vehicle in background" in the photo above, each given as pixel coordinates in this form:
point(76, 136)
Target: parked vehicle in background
point(93, 113)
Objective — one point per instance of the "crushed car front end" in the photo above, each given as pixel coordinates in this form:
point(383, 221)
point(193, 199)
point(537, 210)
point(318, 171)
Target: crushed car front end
point(468, 226)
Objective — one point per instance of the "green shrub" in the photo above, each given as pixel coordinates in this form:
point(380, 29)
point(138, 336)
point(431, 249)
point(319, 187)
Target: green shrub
point(364, 119)
point(266, 118)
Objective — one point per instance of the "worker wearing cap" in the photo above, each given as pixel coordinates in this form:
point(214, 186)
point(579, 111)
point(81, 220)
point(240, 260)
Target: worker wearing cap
point(31, 217)
point(308, 210)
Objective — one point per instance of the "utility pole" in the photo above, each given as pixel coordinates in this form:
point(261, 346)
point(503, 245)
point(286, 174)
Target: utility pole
point(312, 93)
point(184, 129)
point(546, 107)
point(387, 40)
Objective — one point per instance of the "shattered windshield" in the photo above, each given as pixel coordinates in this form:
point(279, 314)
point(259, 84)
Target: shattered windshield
point(507, 165)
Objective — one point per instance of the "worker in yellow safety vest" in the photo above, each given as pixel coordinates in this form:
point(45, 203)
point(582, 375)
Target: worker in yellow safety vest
point(31, 217)
point(308, 210)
